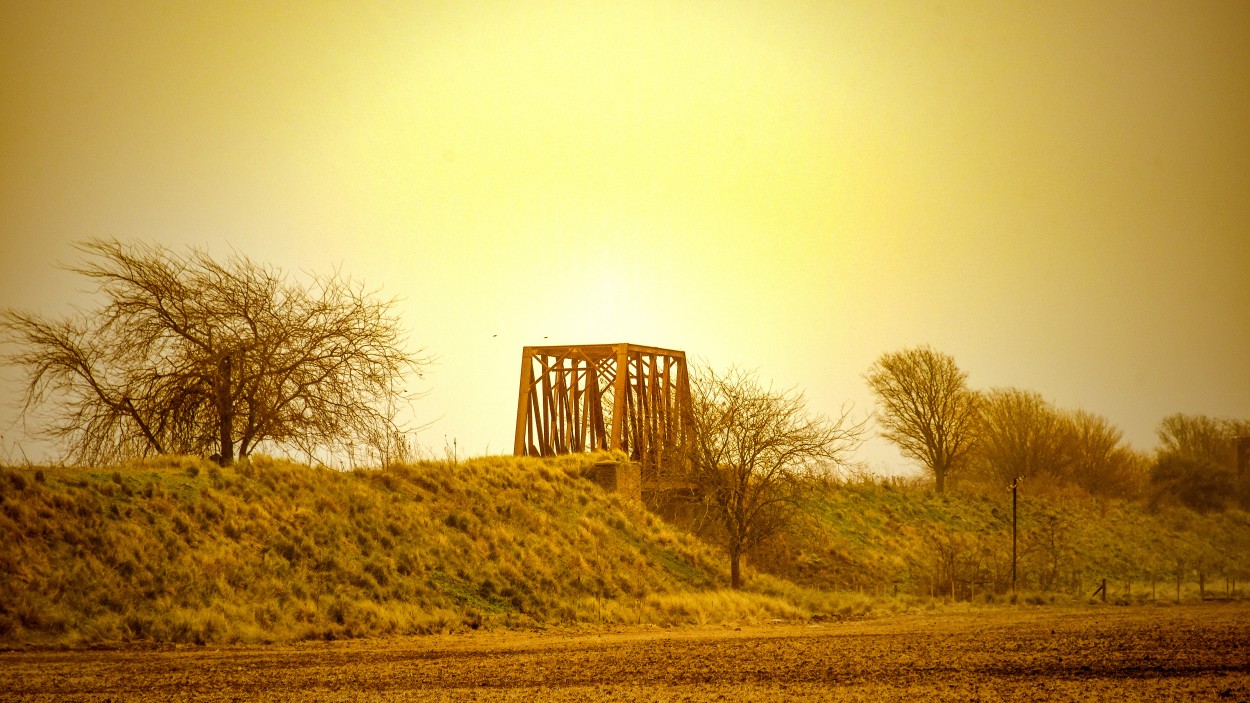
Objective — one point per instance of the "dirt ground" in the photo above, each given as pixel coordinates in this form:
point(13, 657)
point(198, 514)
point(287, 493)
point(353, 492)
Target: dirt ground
point(1181, 653)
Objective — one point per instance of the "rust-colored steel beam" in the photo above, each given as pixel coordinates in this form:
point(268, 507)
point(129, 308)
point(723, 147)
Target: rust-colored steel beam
point(595, 397)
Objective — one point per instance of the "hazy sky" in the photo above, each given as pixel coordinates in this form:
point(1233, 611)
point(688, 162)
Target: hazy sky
point(1057, 194)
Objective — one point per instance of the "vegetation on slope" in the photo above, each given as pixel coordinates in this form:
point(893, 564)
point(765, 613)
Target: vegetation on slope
point(179, 549)
point(887, 536)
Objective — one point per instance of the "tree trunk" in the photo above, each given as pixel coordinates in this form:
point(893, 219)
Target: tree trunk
point(940, 475)
point(735, 568)
point(225, 412)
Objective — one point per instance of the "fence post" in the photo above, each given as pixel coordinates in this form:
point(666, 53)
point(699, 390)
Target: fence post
point(1015, 485)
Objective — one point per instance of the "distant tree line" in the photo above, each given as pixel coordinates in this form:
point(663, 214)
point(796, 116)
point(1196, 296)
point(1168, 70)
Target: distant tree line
point(983, 439)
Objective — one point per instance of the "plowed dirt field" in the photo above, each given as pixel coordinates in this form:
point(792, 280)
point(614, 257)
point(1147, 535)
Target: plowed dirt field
point(1180, 653)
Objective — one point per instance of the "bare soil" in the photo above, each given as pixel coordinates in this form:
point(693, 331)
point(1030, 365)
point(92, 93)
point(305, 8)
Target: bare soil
point(1181, 653)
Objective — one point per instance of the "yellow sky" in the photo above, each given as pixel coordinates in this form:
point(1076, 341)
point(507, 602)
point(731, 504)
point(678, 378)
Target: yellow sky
point(1058, 194)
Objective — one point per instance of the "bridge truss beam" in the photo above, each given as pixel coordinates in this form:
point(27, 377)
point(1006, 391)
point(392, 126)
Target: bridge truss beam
point(596, 397)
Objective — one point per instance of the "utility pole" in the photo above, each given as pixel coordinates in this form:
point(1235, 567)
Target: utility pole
point(1014, 485)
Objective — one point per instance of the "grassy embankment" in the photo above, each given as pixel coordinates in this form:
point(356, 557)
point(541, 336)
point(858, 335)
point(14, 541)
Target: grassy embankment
point(886, 537)
point(177, 549)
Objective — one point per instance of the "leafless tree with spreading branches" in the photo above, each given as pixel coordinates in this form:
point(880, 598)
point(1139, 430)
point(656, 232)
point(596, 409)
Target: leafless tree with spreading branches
point(1101, 462)
point(754, 452)
point(926, 409)
point(191, 355)
point(1021, 435)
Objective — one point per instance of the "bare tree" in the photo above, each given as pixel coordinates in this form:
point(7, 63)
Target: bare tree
point(1201, 437)
point(1196, 462)
point(1021, 435)
point(190, 355)
point(754, 450)
point(1100, 462)
point(926, 409)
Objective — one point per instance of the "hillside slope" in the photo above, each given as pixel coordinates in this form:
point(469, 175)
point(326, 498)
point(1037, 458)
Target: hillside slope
point(891, 537)
point(177, 549)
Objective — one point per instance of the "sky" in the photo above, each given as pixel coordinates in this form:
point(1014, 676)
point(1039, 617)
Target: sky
point(1056, 194)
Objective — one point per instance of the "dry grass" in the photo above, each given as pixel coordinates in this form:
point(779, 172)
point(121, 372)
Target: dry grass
point(176, 549)
point(881, 538)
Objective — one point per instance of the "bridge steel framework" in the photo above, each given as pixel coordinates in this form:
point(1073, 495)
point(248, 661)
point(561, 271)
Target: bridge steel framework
point(594, 397)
